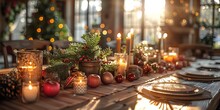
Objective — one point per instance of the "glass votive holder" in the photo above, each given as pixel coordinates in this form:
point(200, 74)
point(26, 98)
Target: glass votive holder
point(30, 92)
point(121, 60)
point(80, 85)
point(29, 64)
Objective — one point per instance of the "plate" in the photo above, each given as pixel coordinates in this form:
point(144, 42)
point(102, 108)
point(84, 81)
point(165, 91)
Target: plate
point(201, 74)
point(173, 87)
point(171, 90)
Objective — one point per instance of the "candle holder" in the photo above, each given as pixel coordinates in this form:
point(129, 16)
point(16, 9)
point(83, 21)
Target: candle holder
point(121, 60)
point(80, 84)
point(29, 65)
point(30, 92)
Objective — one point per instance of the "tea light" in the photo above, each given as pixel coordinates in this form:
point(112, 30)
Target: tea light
point(122, 67)
point(80, 85)
point(30, 92)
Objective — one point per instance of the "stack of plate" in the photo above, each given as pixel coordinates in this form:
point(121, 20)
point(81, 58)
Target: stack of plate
point(177, 91)
point(198, 76)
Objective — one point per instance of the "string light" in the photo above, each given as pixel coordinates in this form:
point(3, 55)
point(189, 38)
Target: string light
point(30, 38)
point(52, 39)
point(51, 20)
point(38, 30)
point(109, 31)
point(104, 32)
point(60, 26)
point(108, 39)
point(70, 38)
point(49, 48)
point(52, 8)
point(102, 25)
point(41, 18)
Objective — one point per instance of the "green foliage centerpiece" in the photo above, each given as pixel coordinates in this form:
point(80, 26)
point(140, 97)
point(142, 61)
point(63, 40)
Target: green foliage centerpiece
point(87, 54)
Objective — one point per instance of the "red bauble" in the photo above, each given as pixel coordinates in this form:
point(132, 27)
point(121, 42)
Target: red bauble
point(119, 78)
point(170, 67)
point(147, 69)
point(94, 80)
point(51, 88)
point(107, 78)
point(161, 69)
point(179, 65)
point(131, 77)
point(181, 58)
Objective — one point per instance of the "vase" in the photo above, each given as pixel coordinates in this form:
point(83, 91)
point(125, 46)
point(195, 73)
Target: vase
point(90, 67)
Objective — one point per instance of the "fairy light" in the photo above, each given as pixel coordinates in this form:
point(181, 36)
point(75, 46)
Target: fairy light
point(108, 39)
point(41, 18)
point(30, 38)
point(38, 30)
point(102, 25)
point(60, 26)
point(52, 39)
point(52, 8)
point(104, 32)
point(51, 20)
point(70, 38)
point(49, 48)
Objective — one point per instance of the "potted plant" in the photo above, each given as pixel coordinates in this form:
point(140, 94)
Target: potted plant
point(87, 55)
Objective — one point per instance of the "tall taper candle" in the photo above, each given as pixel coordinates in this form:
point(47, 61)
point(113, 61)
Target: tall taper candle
point(118, 43)
point(128, 43)
point(132, 38)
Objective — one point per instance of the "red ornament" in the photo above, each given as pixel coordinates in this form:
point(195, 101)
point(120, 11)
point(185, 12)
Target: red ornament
point(119, 78)
point(131, 77)
point(179, 65)
point(181, 58)
point(161, 69)
point(107, 78)
point(94, 80)
point(51, 88)
point(147, 69)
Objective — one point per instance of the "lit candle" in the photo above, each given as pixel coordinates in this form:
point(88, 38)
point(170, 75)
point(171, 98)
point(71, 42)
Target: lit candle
point(80, 85)
point(128, 43)
point(164, 41)
point(118, 43)
point(122, 65)
point(30, 92)
point(132, 38)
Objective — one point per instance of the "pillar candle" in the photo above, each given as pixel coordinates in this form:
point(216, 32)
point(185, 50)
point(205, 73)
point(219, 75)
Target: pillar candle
point(118, 43)
point(128, 43)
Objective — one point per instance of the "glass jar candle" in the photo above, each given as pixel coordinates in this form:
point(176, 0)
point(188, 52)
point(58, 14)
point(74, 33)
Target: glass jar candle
point(30, 92)
point(121, 60)
point(80, 85)
point(29, 65)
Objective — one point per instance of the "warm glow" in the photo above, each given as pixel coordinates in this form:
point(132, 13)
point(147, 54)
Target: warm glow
point(84, 5)
point(104, 32)
point(60, 26)
point(70, 38)
point(50, 48)
point(108, 39)
point(52, 8)
point(102, 25)
point(41, 18)
point(109, 31)
point(52, 39)
point(30, 38)
point(165, 35)
point(132, 31)
point(38, 30)
point(129, 35)
point(119, 35)
point(51, 20)
point(155, 8)
point(30, 87)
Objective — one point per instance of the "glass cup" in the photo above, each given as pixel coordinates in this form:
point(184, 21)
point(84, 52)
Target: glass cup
point(30, 92)
point(121, 60)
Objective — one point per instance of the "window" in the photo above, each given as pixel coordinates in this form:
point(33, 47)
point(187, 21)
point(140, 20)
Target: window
point(87, 14)
point(153, 18)
point(210, 22)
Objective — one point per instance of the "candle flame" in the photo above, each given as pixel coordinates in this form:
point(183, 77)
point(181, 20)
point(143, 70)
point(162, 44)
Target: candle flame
point(172, 53)
point(119, 35)
point(30, 87)
point(120, 61)
point(165, 35)
point(132, 31)
point(129, 35)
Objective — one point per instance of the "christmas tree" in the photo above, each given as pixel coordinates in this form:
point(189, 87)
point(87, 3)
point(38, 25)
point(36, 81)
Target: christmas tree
point(47, 23)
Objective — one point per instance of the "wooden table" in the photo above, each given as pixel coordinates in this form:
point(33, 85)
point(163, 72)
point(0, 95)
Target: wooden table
point(120, 96)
